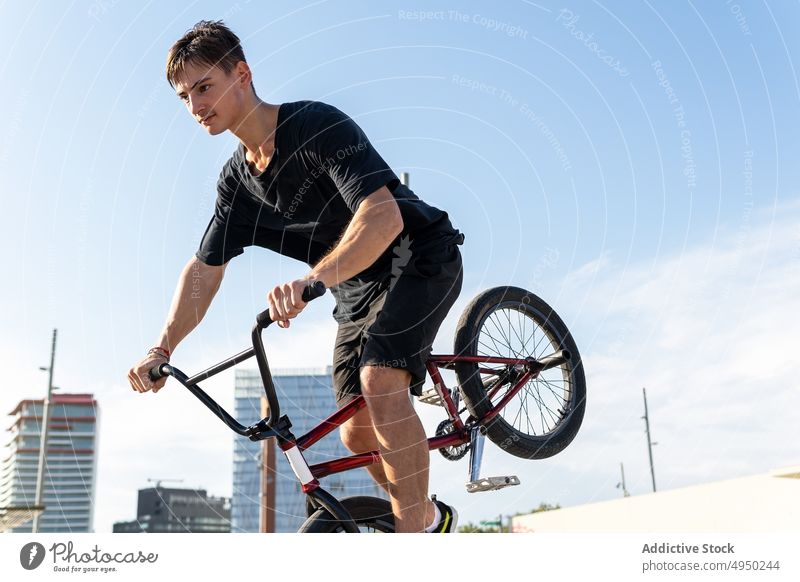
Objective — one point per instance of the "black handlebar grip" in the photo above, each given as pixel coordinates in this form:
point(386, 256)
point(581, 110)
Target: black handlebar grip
point(310, 293)
point(157, 372)
point(263, 319)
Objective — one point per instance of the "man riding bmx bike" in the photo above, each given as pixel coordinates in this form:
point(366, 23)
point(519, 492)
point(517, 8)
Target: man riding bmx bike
point(306, 182)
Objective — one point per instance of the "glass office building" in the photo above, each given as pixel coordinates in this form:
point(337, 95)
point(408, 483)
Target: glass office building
point(70, 469)
point(306, 396)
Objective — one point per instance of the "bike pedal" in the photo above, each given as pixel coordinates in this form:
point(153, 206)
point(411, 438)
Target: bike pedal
point(492, 483)
point(431, 396)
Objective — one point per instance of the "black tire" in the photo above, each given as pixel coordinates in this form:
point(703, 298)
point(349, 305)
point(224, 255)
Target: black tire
point(371, 514)
point(549, 408)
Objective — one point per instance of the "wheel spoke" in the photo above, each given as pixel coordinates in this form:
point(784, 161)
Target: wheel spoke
point(499, 328)
point(508, 317)
point(550, 387)
point(550, 413)
point(486, 346)
point(539, 406)
point(535, 347)
point(498, 351)
point(539, 403)
point(510, 329)
point(524, 318)
point(522, 343)
point(527, 414)
point(514, 422)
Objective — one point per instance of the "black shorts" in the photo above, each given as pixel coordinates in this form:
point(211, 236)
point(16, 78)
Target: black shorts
point(401, 324)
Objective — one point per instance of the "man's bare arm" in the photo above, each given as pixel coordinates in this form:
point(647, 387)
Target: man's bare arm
point(374, 226)
point(198, 283)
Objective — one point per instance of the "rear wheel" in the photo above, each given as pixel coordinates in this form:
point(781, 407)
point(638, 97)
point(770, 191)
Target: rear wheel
point(545, 415)
point(371, 514)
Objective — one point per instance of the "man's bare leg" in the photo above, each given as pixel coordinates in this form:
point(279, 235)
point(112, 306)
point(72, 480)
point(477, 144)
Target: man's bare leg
point(401, 440)
point(358, 435)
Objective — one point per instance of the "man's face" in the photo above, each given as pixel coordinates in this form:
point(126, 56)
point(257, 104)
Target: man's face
point(214, 98)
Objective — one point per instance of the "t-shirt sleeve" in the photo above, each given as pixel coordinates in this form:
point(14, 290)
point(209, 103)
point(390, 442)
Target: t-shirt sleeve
point(224, 237)
point(348, 158)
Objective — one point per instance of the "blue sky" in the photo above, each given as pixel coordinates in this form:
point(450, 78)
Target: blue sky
point(632, 163)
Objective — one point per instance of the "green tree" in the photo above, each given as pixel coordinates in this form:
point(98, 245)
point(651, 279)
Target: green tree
point(472, 528)
point(488, 528)
point(542, 507)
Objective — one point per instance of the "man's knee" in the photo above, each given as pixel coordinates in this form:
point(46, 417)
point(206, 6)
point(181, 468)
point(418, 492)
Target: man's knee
point(358, 434)
point(386, 391)
point(383, 381)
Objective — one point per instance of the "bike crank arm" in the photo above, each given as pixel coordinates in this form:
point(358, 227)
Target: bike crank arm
point(476, 440)
point(476, 483)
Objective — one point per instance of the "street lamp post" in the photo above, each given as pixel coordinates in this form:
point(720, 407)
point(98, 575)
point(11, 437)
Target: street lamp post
point(650, 443)
point(43, 441)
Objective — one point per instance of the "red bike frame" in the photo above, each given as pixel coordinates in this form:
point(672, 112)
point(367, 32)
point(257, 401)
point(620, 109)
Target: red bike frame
point(459, 435)
point(278, 427)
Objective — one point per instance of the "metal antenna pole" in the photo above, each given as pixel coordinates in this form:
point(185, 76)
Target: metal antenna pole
point(649, 442)
point(43, 441)
point(158, 482)
point(622, 483)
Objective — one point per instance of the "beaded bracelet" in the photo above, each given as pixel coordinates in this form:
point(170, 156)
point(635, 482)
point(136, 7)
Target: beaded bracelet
point(159, 351)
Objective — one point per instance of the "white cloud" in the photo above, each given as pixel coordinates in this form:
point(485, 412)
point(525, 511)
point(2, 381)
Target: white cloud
point(588, 273)
point(711, 332)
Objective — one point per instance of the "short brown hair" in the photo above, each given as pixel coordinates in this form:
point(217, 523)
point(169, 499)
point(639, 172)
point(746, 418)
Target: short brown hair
point(207, 43)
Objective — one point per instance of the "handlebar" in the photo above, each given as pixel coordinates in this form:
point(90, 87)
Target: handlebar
point(263, 320)
point(310, 293)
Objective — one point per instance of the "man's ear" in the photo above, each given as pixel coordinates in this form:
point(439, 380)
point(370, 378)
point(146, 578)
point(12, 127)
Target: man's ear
point(244, 74)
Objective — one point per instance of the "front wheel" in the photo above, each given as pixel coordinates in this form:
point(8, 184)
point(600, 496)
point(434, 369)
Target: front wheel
point(371, 514)
point(545, 415)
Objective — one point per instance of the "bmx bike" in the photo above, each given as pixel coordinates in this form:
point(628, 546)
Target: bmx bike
point(520, 377)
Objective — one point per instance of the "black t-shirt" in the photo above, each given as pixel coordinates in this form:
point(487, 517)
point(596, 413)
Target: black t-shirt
point(322, 168)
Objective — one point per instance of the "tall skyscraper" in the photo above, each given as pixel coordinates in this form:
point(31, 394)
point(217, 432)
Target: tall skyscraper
point(245, 500)
point(166, 509)
point(306, 396)
point(70, 469)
